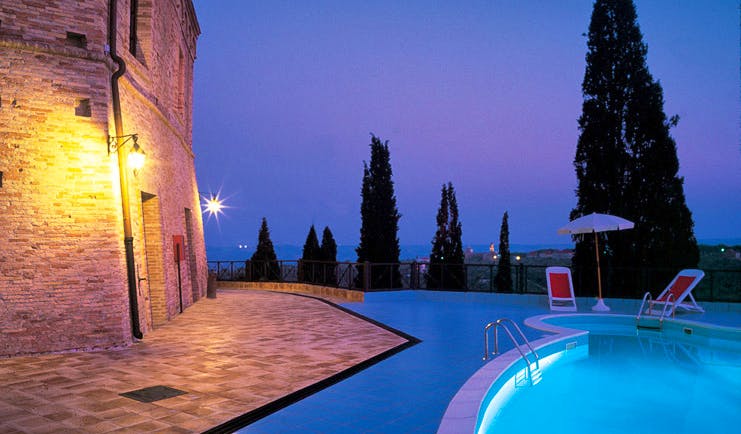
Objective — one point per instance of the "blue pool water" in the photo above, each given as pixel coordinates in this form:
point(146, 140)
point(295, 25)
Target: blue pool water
point(410, 391)
point(630, 381)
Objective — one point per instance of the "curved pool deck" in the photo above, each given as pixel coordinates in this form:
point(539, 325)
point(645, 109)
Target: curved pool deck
point(463, 412)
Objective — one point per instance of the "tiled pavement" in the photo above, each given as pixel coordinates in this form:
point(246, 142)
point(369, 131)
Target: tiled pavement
point(231, 355)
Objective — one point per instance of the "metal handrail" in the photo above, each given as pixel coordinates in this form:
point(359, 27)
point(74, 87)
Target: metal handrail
point(647, 297)
point(663, 311)
point(500, 322)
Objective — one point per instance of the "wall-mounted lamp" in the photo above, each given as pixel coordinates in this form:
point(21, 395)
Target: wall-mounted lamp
point(136, 156)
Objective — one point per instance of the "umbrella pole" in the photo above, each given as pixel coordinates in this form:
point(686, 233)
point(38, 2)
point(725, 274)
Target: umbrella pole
point(600, 306)
point(599, 273)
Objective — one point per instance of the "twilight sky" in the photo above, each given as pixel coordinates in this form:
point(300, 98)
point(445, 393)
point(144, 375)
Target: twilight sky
point(485, 94)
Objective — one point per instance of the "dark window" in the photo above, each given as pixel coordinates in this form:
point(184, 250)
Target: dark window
point(133, 13)
point(77, 39)
point(83, 108)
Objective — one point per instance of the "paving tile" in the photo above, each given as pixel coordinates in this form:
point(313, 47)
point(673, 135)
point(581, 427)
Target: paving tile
point(230, 355)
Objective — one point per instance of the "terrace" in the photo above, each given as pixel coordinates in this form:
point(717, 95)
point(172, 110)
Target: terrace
point(250, 353)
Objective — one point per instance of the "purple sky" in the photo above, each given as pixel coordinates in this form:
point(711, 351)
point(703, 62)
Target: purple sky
point(485, 94)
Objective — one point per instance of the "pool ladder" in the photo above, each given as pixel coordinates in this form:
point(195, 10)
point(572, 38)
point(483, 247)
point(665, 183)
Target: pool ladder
point(532, 375)
point(647, 297)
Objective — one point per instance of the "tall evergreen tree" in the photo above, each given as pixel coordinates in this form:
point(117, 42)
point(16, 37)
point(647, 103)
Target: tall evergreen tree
point(379, 242)
point(264, 262)
point(503, 278)
point(446, 259)
point(310, 269)
point(626, 160)
point(458, 278)
point(328, 254)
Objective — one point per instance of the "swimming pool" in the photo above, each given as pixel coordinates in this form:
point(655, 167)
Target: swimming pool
point(411, 391)
point(684, 379)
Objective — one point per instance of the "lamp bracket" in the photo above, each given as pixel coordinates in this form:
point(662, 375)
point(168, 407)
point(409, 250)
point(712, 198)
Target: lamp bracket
point(114, 144)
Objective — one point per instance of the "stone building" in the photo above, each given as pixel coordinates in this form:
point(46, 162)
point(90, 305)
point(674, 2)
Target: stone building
point(93, 251)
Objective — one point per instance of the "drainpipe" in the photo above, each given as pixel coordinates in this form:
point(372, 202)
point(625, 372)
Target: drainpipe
point(123, 173)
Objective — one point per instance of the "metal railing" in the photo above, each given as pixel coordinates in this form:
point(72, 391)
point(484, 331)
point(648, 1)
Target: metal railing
point(718, 285)
point(500, 323)
point(667, 303)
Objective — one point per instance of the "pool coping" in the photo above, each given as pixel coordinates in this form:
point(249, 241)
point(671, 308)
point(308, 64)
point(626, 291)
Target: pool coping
point(461, 415)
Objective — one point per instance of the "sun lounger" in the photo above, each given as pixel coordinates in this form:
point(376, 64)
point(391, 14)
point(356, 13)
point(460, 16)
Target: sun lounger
point(560, 289)
point(678, 295)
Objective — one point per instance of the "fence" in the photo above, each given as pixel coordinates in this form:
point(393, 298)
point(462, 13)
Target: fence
point(718, 285)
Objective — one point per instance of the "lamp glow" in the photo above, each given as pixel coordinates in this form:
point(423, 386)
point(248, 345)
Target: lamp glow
point(136, 157)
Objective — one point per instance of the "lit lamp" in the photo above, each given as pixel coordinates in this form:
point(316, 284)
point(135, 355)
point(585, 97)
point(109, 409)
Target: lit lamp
point(213, 205)
point(135, 157)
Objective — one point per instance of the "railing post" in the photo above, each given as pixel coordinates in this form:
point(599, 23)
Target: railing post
point(465, 276)
point(441, 283)
point(526, 268)
point(520, 270)
point(366, 276)
point(491, 277)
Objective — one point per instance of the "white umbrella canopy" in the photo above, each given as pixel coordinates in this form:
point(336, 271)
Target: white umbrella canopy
point(596, 223)
point(593, 223)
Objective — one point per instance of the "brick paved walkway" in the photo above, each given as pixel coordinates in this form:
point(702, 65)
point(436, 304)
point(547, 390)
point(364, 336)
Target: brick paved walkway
point(231, 355)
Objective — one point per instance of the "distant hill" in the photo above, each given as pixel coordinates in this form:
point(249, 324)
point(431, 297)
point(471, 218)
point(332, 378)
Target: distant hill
point(347, 253)
point(409, 252)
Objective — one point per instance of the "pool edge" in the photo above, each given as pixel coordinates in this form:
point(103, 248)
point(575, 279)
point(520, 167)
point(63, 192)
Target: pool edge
point(462, 413)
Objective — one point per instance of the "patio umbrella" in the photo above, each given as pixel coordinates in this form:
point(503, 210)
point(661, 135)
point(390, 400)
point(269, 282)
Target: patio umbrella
point(596, 223)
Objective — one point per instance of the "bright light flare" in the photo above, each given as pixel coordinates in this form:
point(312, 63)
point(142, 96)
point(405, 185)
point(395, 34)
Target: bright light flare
point(213, 206)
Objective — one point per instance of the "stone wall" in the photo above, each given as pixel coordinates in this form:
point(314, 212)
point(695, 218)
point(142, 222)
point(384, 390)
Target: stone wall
point(328, 292)
point(63, 281)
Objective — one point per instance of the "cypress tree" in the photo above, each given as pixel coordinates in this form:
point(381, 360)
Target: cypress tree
point(457, 275)
point(626, 160)
point(264, 262)
point(328, 254)
point(446, 259)
point(379, 242)
point(503, 278)
point(440, 244)
point(311, 254)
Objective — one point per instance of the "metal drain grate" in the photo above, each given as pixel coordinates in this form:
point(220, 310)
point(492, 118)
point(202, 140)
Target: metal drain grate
point(154, 393)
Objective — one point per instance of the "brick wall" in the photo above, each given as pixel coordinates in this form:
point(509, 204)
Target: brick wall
point(63, 278)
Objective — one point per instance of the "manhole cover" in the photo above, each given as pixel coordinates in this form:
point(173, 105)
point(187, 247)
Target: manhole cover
point(154, 393)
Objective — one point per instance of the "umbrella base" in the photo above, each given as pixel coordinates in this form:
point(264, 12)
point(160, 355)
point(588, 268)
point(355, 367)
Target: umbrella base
point(600, 306)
